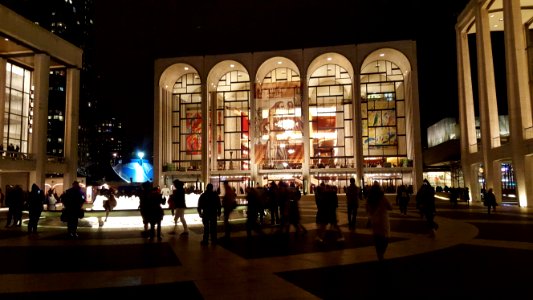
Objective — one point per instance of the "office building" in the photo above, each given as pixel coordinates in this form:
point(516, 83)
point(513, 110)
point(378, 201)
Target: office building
point(28, 53)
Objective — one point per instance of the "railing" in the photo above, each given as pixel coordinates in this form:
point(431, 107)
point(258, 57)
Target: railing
point(15, 155)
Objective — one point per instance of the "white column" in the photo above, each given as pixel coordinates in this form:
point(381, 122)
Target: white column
point(357, 127)
point(306, 131)
point(518, 98)
point(488, 106)
point(205, 134)
point(159, 143)
point(40, 118)
point(252, 133)
point(466, 107)
point(3, 66)
point(71, 125)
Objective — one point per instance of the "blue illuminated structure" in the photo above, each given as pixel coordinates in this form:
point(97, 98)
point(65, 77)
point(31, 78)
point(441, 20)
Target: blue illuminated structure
point(137, 170)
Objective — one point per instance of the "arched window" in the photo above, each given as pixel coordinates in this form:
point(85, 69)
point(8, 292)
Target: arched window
point(331, 117)
point(279, 121)
point(232, 123)
point(187, 122)
point(383, 115)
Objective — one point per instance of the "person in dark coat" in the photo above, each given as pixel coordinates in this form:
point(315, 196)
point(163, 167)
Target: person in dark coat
point(209, 208)
point(490, 201)
point(36, 199)
point(425, 202)
point(252, 212)
point(73, 208)
point(15, 199)
point(153, 212)
point(353, 195)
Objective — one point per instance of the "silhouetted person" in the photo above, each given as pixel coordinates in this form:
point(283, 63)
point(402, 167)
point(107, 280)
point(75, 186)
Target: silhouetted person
point(229, 203)
point(15, 200)
point(273, 203)
point(178, 197)
point(209, 209)
point(353, 195)
point(252, 212)
point(293, 216)
point(403, 197)
point(153, 210)
point(425, 201)
point(490, 201)
point(326, 203)
point(36, 199)
point(73, 202)
point(110, 203)
point(378, 208)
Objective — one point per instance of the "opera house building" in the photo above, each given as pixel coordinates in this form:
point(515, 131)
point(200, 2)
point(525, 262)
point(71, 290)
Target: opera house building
point(305, 116)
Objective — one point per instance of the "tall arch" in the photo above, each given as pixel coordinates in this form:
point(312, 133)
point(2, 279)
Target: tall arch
point(387, 113)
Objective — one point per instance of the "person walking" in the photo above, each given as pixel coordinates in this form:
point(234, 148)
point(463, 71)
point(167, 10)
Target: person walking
point(294, 217)
point(36, 199)
point(51, 199)
point(110, 203)
point(18, 198)
point(326, 203)
point(377, 208)
point(153, 212)
point(229, 203)
point(273, 203)
point(209, 209)
point(490, 201)
point(73, 202)
point(178, 198)
point(425, 202)
point(403, 197)
point(353, 195)
point(252, 212)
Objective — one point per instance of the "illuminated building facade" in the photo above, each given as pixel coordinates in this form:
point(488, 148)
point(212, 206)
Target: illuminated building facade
point(28, 54)
point(491, 34)
point(307, 116)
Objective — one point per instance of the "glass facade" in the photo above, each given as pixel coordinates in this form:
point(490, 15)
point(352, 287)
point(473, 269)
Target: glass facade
point(331, 118)
point(18, 111)
point(269, 123)
point(279, 126)
point(232, 123)
point(383, 115)
point(187, 122)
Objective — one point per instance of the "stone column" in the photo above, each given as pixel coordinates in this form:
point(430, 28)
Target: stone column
point(40, 118)
point(71, 126)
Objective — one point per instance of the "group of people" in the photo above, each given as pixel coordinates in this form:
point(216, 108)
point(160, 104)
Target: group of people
point(280, 198)
point(34, 200)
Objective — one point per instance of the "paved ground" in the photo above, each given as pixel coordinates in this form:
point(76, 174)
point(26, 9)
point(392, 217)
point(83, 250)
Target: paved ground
point(474, 254)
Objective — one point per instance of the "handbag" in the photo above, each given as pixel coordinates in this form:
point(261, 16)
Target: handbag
point(81, 214)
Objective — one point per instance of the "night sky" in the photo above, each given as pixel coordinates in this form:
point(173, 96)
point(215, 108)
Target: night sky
point(130, 35)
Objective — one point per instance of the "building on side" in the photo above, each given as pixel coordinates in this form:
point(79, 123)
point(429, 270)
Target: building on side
point(306, 116)
point(494, 57)
point(28, 54)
